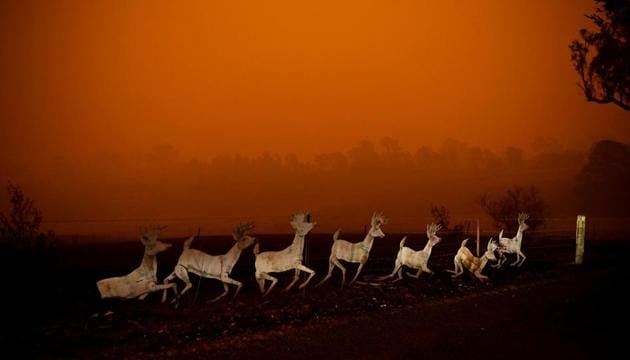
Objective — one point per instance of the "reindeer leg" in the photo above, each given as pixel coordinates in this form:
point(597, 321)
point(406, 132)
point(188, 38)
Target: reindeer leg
point(417, 275)
point(238, 284)
point(155, 287)
point(273, 282)
point(343, 271)
point(226, 289)
point(456, 272)
point(399, 274)
point(296, 277)
point(518, 258)
point(182, 274)
point(500, 260)
point(397, 267)
point(261, 283)
point(503, 259)
point(498, 264)
point(523, 258)
point(459, 269)
point(481, 277)
point(331, 266)
point(427, 270)
point(167, 280)
point(310, 276)
point(357, 274)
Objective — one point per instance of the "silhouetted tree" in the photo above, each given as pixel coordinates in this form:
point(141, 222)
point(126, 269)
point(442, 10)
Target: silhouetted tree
point(334, 161)
point(20, 227)
point(426, 159)
point(514, 156)
point(504, 209)
point(602, 185)
point(601, 57)
point(441, 215)
point(364, 156)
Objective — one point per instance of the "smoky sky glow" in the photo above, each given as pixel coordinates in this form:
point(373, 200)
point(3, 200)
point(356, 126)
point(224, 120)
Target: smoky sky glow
point(96, 87)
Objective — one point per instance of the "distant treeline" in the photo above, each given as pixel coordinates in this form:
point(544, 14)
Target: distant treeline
point(342, 187)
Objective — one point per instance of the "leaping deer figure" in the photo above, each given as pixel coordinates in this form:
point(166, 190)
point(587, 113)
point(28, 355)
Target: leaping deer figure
point(465, 259)
point(512, 245)
point(353, 252)
point(415, 259)
point(143, 280)
point(287, 259)
point(209, 266)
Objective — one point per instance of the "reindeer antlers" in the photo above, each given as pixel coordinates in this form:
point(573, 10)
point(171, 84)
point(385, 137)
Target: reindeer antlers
point(522, 217)
point(432, 228)
point(378, 219)
point(299, 218)
point(152, 230)
point(242, 229)
point(150, 234)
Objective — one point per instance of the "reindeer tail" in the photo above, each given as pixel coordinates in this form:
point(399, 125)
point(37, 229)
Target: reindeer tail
point(464, 242)
point(257, 249)
point(188, 242)
point(402, 242)
point(336, 235)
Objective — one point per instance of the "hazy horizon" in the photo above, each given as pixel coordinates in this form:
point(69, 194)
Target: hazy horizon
point(112, 194)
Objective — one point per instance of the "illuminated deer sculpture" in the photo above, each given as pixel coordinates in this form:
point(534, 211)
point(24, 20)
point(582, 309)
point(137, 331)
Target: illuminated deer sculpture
point(415, 259)
point(512, 245)
point(143, 280)
point(465, 259)
point(284, 260)
point(210, 266)
point(353, 252)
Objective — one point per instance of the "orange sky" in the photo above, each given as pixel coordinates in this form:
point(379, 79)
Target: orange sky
point(290, 76)
point(83, 78)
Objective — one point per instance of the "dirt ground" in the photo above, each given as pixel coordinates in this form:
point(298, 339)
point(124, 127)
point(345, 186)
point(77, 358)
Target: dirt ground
point(547, 308)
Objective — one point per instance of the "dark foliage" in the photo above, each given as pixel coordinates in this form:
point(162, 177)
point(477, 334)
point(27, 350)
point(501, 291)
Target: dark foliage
point(19, 229)
point(601, 57)
point(442, 216)
point(31, 257)
point(504, 209)
point(602, 185)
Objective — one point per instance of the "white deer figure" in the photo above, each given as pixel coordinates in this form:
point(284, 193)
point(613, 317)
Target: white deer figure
point(512, 245)
point(353, 252)
point(209, 266)
point(465, 259)
point(284, 260)
point(415, 259)
point(143, 280)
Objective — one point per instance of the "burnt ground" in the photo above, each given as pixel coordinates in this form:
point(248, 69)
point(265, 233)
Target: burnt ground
point(547, 308)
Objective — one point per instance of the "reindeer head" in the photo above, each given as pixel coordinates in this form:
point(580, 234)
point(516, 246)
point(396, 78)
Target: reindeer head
point(302, 224)
point(149, 238)
point(432, 230)
point(376, 222)
point(521, 221)
point(241, 235)
point(492, 246)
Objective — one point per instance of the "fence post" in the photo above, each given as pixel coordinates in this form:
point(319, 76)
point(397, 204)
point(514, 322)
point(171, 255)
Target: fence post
point(477, 237)
point(580, 231)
